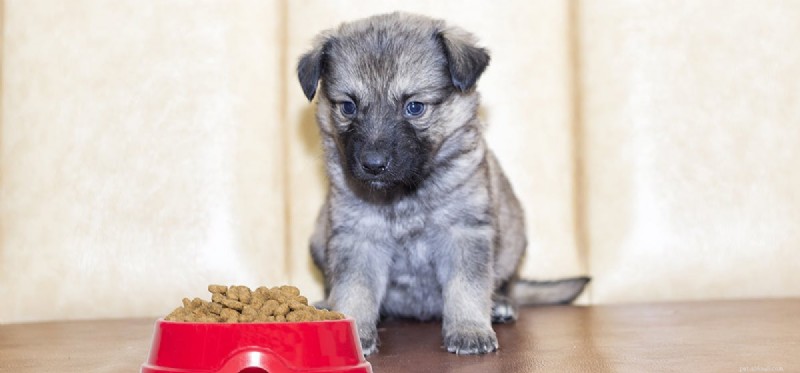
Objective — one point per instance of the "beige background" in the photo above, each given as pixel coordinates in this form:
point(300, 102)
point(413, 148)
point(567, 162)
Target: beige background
point(149, 148)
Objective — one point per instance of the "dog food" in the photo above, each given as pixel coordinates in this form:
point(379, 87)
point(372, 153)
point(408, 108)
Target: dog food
point(240, 304)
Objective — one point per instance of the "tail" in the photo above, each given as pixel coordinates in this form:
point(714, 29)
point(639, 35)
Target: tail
point(527, 292)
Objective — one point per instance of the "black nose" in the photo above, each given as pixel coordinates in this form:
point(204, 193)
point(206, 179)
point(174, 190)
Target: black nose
point(374, 162)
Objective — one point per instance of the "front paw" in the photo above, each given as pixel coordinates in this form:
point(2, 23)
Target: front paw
point(369, 340)
point(470, 339)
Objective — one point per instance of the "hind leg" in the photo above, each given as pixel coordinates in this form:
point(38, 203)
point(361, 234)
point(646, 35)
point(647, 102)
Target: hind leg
point(504, 310)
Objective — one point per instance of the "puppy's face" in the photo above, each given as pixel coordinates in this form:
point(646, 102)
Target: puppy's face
point(392, 88)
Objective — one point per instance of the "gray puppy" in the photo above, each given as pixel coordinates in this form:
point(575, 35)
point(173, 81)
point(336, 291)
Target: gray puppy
point(419, 220)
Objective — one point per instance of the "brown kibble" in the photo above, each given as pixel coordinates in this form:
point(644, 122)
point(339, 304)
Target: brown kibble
point(301, 316)
point(244, 295)
point(295, 305)
point(256, 302)
point(229, 315)
point(176, 315)
point(217, 289)
point(282, 310)
point(247, 318)
point(293, 316)
point(217, 298)
point(197, 303)
point(215, 308)
point(207, 318)
point(277, 294)
point(197, 312)
point(331, 315)
point(233, 293)
point(249, 311)
point(291, 290)
point(269, 307)
point(234, 304)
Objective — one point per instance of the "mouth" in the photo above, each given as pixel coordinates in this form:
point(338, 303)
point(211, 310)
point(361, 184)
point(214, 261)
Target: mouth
point(378, 184)
point(374, 183)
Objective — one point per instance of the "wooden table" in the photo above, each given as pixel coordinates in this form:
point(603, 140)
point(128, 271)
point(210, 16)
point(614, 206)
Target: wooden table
point(722, 336)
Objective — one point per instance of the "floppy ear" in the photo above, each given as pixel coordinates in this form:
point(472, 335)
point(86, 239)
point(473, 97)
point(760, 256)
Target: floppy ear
point(309, 69)
point(465, 60)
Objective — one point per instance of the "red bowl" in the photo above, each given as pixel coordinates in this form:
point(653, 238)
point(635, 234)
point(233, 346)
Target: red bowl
point(278, 347)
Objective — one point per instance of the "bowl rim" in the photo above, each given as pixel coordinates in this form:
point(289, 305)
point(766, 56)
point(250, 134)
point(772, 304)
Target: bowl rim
point(161, 320)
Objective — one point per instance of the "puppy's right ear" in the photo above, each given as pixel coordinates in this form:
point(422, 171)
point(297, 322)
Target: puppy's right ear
point(309, 68)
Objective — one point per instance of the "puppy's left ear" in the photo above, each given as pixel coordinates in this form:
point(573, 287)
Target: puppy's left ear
point(309, 68)
point(465, 59)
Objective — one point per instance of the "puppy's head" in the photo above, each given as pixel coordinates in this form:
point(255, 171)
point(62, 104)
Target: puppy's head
point(390, 90)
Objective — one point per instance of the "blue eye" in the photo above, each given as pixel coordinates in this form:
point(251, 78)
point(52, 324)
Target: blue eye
point(415, 108)
point(347, 108)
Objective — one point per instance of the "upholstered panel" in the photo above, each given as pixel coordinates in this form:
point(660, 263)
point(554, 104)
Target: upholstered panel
point(692, 142)
point(140, 155)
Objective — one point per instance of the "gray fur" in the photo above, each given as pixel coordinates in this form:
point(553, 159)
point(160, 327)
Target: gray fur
point(435, 230)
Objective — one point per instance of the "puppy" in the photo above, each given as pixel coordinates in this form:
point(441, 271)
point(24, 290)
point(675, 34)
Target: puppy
point(420, 220)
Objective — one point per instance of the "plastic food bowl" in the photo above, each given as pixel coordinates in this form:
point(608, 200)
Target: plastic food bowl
point(277, 347)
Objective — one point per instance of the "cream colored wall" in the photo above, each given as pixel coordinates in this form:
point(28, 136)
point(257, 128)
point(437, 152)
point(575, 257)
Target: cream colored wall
point(150, 148)
point(140, 160)
point(692, 141)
